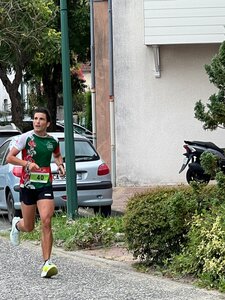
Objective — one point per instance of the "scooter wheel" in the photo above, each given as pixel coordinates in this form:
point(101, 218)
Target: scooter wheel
point(196, 175)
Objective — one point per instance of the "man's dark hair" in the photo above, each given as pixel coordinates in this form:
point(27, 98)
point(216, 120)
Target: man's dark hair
point(43, 110)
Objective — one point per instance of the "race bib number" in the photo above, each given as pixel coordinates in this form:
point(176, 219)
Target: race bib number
point(39, 177)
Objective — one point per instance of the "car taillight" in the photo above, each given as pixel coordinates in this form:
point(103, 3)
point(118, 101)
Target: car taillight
point(17, 171)
point(103, 169)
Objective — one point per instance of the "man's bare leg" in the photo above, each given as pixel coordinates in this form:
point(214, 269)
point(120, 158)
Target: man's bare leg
point(26, 224)
point(46, 211)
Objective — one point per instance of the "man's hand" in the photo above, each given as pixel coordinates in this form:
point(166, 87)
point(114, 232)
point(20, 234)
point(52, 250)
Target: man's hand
point(61, 170)
point(31, 166)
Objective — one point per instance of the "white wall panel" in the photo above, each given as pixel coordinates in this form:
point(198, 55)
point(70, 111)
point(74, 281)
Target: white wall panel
point(184, 22)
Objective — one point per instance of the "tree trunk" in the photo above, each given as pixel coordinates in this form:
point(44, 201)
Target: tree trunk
point(14, 95)
point(52, 87)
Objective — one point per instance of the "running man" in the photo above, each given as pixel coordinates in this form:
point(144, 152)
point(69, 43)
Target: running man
point(37, 147)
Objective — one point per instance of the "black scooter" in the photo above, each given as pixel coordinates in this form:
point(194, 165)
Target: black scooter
point(194, 150)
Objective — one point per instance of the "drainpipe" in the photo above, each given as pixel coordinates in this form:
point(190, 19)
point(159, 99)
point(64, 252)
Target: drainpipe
point(93, 93)
point(111, 97)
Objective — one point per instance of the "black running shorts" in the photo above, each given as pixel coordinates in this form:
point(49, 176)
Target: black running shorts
point(31, 196)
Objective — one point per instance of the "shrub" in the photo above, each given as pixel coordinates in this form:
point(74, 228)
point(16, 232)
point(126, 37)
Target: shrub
point(156, 223)
point(94, 232)
point(204, 254)
point(83, 232)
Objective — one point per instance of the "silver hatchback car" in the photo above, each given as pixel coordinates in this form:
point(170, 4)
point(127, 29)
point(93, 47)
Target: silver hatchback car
point(94, 186)
point(7, 131)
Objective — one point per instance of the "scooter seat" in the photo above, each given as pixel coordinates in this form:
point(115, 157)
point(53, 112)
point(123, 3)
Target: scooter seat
point(206, 145)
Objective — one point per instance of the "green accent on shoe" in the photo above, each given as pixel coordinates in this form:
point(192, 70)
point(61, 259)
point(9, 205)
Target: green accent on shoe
point(49, 270)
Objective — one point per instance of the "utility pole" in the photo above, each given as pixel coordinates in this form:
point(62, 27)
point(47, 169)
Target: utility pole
point(71, 186)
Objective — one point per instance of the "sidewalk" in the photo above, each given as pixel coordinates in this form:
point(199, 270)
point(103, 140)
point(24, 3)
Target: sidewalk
point(122, 194)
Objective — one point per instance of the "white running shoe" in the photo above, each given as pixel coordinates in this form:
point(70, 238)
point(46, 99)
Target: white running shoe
point(15, 234)
point(49, 270)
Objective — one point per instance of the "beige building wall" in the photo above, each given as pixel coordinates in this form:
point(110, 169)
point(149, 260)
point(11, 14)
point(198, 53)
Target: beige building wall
point(155, 115)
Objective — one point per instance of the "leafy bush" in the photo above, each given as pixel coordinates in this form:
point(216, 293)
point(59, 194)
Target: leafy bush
point(94, 231)
point(204, 254)
point(156, 223)
point(209, 163)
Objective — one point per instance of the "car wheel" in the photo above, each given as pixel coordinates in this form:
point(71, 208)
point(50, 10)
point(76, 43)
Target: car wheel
point(12, 212)
point(198, 176)
point(104, 211)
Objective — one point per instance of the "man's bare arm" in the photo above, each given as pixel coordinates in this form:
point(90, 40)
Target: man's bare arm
point(59, 161)
point(12, 158)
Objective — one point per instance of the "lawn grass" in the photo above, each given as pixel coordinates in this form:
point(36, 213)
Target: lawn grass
point(81, 233)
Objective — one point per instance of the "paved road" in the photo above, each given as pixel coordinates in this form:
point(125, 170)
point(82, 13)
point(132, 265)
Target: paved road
point(83, 277)
point(4, 224)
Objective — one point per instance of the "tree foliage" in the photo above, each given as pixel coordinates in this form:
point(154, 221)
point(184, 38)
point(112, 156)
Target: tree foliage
point(79, 41)
point(30, 46)
point(25, 34)
point(213, 113)
point(79, 28)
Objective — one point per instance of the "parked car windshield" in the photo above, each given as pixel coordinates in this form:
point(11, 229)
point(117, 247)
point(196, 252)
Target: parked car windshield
point(83, 150)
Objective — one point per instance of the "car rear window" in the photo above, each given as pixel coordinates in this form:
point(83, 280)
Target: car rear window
point(2, 139)
point(83, 150)
point(5, 135)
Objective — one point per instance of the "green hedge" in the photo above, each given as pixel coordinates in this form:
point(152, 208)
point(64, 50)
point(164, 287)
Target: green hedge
point(156, 223)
